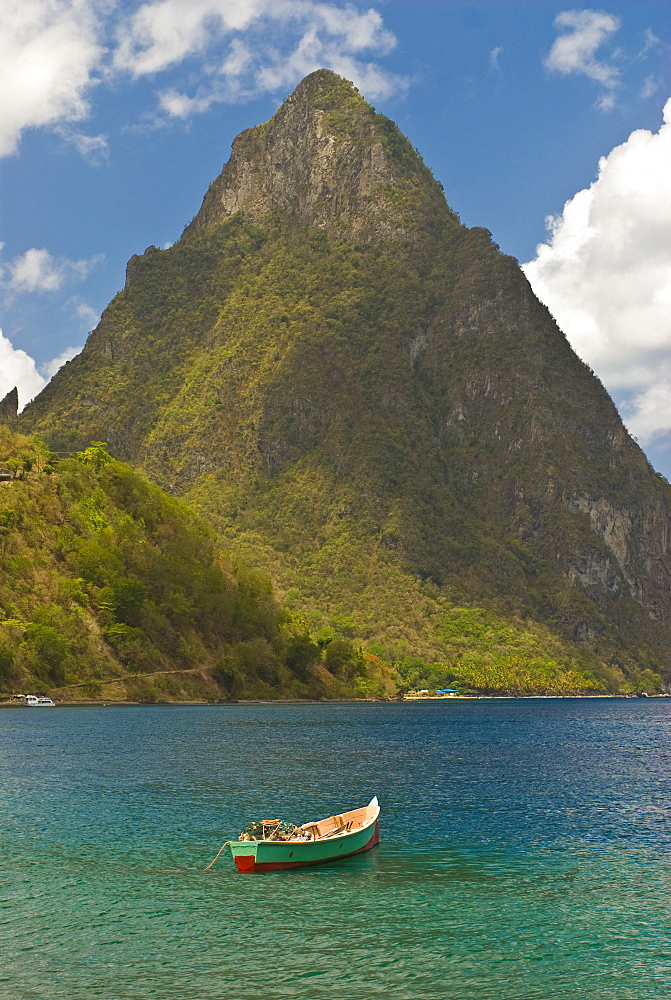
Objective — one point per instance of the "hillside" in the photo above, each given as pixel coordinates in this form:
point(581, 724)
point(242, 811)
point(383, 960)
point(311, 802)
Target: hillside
point(367, 400)
point(111, 589)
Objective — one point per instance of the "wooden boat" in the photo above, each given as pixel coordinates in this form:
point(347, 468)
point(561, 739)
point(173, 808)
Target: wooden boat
point(313, 843)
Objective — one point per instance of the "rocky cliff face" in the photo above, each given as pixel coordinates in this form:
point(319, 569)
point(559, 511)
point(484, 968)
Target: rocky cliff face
point(367, 397)
point(325, 159)
point(9, 406)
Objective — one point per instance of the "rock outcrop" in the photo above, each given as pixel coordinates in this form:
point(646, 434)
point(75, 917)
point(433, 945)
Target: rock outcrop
point(326, 159)
point(9, 406)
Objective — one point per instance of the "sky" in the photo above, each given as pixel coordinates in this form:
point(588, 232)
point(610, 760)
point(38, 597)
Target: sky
point(547, 123)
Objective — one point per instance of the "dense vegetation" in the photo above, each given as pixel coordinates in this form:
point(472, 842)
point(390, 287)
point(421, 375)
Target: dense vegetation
point(109, 588)
point(367, 402)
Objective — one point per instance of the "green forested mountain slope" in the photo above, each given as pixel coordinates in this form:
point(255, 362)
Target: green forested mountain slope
point(110, 589)
point(365, 398)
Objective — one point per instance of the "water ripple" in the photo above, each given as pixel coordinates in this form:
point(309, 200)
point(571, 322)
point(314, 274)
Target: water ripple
point(525, 849)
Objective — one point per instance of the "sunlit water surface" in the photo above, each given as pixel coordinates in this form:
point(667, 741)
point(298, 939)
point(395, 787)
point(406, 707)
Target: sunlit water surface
point(526, 852)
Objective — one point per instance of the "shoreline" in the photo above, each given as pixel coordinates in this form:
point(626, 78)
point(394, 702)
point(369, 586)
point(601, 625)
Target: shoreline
point(339, 701)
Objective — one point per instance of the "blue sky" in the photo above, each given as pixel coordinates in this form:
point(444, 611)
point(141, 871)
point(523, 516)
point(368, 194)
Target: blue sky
point(117, 115)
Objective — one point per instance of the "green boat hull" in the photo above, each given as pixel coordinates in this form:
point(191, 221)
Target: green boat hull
point(270, 855)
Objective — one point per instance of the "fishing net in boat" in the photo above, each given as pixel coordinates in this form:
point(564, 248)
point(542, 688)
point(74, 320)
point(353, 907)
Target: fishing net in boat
point(272, 829)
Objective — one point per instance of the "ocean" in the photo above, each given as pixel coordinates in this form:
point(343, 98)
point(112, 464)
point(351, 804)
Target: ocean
point(525, 852)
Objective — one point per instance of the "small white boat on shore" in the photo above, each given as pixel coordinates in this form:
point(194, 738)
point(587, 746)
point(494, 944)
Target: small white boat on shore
point(36, 701)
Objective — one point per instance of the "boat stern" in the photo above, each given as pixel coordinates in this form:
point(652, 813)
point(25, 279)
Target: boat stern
point(244, 854)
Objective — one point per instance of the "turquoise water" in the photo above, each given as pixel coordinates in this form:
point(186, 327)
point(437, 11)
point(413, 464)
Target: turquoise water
point(526, 852)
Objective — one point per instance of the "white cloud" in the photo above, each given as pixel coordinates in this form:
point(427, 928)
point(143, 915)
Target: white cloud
point(651, 41)
point(89, 317)
point(49, 52)
point(94, 148)
point(38, 271)
point(51, 367)
point(18, 369)
point(306, 35)
point(651, 85)
point(605, 274)
point(574, 51)
point(35, 271)
point(52, 55)
point(177, 105)
point(494, 58)
point(239, 58)
point(648, 414)
point(165, 32)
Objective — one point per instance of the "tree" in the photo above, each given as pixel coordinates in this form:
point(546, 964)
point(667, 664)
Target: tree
point(344, 660)
point(96, 455)
point(301, 653)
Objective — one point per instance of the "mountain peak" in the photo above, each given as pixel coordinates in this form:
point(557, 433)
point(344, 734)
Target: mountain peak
point(326, 158)
point(323, 82)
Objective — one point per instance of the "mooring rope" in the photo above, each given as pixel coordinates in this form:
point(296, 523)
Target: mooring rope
point(225, 844)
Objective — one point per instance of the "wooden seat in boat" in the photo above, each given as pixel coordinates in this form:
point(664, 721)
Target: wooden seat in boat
point(336, 825)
